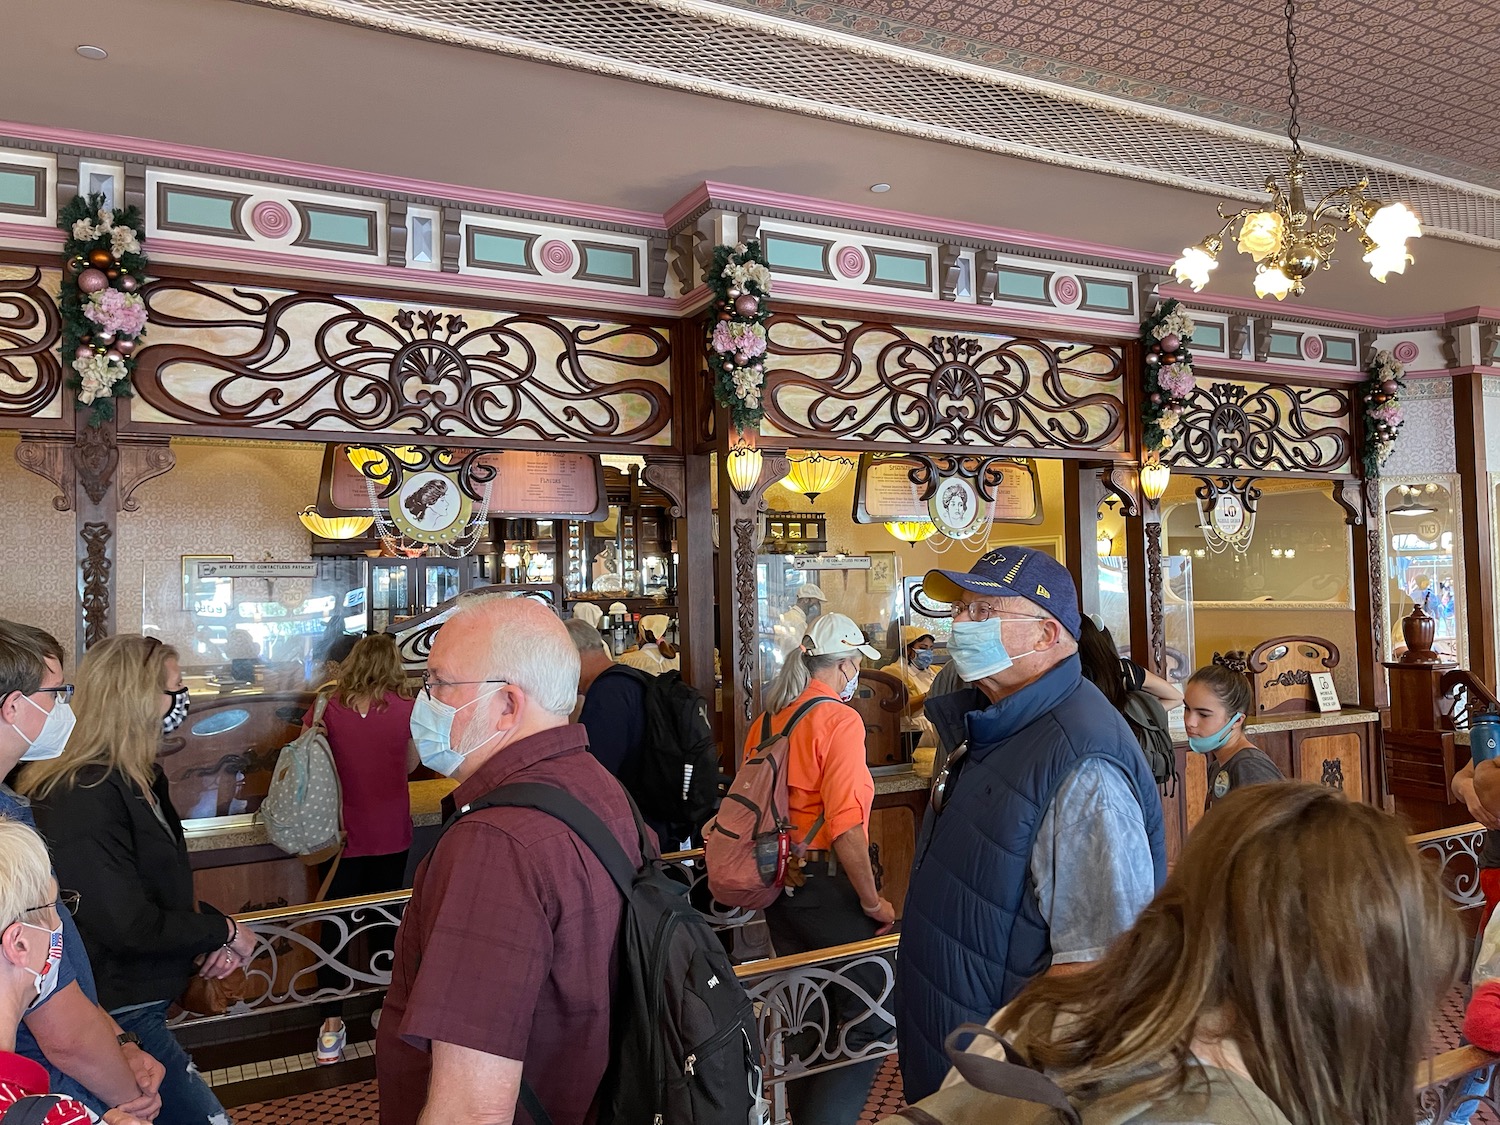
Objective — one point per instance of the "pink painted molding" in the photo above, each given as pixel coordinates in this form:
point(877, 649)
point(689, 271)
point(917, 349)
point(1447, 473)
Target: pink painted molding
point(352, 176)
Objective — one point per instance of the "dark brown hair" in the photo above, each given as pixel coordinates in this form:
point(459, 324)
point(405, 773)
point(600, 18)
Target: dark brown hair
point(23, 657)
point(1231, 687)
point(1304, 927)
point(1101, 662)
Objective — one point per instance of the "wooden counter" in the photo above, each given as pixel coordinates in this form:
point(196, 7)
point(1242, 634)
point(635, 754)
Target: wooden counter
point(1340, 749)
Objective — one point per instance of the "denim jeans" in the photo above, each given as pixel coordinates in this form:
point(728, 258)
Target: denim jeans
point(185, 1097)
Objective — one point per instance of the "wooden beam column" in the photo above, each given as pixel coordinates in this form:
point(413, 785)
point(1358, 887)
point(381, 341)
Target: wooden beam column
point(739, 609)
point(1478, 528)
point(1143, 550)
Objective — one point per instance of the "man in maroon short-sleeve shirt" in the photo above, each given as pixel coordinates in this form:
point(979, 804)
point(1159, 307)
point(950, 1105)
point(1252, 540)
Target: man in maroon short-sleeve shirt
point(505, 960)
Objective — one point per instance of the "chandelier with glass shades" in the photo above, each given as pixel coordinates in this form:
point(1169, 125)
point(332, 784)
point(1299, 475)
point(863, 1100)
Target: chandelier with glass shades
point(1288, 239)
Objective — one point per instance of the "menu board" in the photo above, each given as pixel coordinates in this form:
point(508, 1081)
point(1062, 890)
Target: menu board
point(885, 492)
point(528, 484)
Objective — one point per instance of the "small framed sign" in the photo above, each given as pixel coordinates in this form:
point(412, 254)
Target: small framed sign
point(1324, 691)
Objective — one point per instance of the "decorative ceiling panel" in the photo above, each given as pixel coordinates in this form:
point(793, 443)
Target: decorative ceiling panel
point(1406, 80)
point(1035, 109)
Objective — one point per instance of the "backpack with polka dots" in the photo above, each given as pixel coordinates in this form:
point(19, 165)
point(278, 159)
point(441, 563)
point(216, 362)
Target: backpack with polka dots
point(303, 809)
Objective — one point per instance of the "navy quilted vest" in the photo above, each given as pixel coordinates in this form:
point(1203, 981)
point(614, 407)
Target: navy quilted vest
point(971, 932)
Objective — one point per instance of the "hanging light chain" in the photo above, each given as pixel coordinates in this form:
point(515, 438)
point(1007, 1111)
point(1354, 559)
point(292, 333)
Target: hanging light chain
point(1294, 126)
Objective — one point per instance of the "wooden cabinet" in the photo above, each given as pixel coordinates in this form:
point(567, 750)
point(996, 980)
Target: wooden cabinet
point(895, 820)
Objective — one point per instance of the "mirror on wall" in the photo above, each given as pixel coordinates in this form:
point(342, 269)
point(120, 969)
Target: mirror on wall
point(1423, 559)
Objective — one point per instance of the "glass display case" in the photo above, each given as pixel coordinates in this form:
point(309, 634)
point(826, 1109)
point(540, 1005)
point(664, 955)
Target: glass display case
point(1422, 532)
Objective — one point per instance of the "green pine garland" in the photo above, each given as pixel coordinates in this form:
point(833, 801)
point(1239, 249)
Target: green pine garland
point(105, 242)
point(736, 334)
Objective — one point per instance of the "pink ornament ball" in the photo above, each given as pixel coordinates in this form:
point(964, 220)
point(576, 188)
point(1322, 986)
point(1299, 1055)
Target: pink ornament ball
point(124, 347)
point(1171, 342)
point(1390, 386)
point(747, 305)
point(92, 281)
point(128, 283)
point(104, 338)
point(83, 352)
point(740, 359)
point(113, 355)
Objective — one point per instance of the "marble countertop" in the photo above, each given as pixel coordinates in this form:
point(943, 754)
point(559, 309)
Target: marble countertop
point(1270, 725)
point(898, 779)
point(222, 833)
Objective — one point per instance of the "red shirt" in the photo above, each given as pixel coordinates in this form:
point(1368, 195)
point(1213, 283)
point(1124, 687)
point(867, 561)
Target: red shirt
point(369, 752)
point(508, 945)
point(20, 1078)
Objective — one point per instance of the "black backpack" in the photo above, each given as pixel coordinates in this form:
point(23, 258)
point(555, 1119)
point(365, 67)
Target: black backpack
point(685, 1046)
point(34, 1109)
point(676, 777)
point(1148, 721)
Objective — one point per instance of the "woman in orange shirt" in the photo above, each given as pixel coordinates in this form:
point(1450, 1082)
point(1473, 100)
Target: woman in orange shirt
point(837, 899)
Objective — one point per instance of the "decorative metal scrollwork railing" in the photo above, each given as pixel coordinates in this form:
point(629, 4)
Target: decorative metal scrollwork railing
point(352, 939)
point(1453, 1085)
point(1456, 853)
point(822, 1010)
point(1461, 696)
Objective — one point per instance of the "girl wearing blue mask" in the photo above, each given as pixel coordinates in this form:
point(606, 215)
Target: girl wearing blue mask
point(916, 670)
point(1217, 701)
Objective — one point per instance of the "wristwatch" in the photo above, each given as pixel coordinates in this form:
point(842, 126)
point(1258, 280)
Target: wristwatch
point(128, 1038)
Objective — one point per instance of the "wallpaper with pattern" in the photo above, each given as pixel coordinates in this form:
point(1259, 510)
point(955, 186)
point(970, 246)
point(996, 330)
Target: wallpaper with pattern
point(36, 549)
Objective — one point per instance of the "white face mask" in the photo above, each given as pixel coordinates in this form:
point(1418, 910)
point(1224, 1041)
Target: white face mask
point(46, 979)
point(53, 736)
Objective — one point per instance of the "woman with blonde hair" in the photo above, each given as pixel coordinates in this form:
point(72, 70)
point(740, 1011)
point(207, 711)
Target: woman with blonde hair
point(104, 809)
point(367, 718)
point(1287, 972)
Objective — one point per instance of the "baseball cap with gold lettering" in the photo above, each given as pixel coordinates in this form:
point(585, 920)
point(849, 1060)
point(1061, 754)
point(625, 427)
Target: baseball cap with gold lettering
point(1013, 572)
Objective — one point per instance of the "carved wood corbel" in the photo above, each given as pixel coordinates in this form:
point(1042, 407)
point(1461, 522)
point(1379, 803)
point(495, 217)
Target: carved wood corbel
point(52, 458)
point(396, 232)
point(669, 477)
point(141, 461)
point(1116, 481)
point(1239, 336)
point(656, 266)
point(1347, 495)
point(1260, 328)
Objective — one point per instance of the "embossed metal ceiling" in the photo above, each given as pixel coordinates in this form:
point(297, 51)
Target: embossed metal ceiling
point(1036, 78)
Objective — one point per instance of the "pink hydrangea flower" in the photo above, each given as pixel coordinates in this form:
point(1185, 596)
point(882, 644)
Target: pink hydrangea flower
point(116, 311)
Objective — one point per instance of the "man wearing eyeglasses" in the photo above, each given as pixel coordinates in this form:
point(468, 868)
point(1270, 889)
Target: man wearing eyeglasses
point(1043, 839)
point(501, 986)
point(85, 1053)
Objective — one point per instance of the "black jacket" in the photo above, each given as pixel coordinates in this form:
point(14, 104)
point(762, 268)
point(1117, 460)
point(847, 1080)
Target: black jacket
point(136, 902)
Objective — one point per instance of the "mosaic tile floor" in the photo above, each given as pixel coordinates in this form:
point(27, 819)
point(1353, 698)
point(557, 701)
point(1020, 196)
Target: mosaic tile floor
point(358, 1104)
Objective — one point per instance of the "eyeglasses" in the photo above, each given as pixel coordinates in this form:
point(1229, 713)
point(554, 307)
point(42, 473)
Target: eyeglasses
point(942, 784)
point(61, 693)
point(429, 682)
point(68, 900)
point(984, 611)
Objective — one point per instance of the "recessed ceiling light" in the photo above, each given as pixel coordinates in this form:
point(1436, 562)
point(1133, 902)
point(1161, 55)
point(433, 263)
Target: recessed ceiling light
point(880, 189)
point(89, 51)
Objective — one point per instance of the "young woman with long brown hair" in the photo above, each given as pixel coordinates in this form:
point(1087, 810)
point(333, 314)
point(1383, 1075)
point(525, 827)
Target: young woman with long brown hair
point(1290, 968)
point(368, 720)
point(106, 813)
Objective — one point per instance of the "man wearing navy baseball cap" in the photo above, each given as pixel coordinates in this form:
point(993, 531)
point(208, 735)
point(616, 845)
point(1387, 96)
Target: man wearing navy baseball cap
point(1043, 839)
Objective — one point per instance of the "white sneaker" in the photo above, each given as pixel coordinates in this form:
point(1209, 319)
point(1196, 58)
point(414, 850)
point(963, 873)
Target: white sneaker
point(331, 1046)
point(375, 1020)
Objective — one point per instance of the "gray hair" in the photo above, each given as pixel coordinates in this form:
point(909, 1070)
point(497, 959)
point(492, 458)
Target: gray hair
point(28, 872)
point(797, 672)
point(529, 647)
point(585, 637)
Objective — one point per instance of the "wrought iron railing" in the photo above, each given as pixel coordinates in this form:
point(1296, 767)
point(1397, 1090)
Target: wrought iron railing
point(1461, 696)
point(352, 938)
point(1455, 1085)
point(1456, 853)
point(822, 1010)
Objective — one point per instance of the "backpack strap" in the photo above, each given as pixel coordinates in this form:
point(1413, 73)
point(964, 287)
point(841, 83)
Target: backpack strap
point(798, 713)
point(563, 806)
point(34, 1109)
point(1010, 1078)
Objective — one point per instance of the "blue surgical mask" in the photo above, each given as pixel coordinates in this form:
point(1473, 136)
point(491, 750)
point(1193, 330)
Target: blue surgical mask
point(432, 731)
point(922, 660)
point(1208, 743)
point(978, 650)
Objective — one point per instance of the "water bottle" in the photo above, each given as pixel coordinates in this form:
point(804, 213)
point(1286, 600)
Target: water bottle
point(1484, 737)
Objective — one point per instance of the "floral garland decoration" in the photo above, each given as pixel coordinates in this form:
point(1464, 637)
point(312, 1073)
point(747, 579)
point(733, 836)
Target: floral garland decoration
point(103, 313)
point(741, 283)
point(1383, 415)
point(1169, 372)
